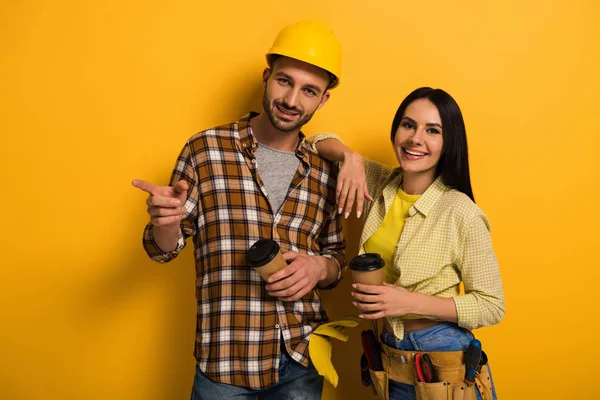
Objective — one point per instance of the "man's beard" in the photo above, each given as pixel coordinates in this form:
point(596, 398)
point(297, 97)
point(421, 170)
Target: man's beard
point(284, 126)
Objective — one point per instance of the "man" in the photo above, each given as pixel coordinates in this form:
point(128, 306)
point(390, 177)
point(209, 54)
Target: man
point(252, 179)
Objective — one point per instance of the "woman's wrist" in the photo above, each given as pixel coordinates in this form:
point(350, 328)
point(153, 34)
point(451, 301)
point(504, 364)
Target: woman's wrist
point(415, 303)
point(433, 306)
point(350, 155)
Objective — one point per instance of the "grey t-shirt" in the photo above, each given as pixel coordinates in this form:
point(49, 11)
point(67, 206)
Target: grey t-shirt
point(276, 169)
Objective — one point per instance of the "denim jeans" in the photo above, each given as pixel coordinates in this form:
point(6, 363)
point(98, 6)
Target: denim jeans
point(296, 382)
point(441, 337)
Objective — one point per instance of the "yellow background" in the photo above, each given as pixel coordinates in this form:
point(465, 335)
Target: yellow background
point(94, 94)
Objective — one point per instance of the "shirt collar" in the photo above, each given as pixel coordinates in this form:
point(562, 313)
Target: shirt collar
point(248, 140)
point(427, 200)
point(425, 203)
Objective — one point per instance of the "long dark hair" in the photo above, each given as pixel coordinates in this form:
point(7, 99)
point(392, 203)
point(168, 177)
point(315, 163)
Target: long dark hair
point(453, 165)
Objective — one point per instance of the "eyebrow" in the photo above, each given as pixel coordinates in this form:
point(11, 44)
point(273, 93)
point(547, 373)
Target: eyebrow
point(427, 124)
point(317, 89)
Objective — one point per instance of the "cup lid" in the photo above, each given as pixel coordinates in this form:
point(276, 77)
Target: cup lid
point(367, 262)
point(262, 252)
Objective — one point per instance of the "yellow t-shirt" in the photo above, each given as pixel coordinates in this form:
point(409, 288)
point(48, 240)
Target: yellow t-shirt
point(385, 239)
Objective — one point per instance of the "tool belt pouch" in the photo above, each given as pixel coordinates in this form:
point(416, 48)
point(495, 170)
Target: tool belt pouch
point(444, 391)
point(380, 383)
point(448, 366)
point(377, 379)
point(484, 383)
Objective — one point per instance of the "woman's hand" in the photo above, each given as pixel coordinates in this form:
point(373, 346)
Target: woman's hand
point(382, 301)
point(394, 301)
point(352, 185)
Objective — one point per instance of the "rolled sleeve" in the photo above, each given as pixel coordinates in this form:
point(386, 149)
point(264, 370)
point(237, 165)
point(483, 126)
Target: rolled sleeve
point(155, 252)
point(313, 140)
point(483, 301)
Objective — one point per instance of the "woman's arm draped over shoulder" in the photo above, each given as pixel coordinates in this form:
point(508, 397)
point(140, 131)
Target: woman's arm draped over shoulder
point(358, 176)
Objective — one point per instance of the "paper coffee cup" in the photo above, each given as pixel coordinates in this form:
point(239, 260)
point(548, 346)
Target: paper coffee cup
point(264, 256)
point(367, 269)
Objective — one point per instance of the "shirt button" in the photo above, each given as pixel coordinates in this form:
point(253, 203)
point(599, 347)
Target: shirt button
point(253, 144)
point(254, 161)
point(276, 326)
point(244, 145)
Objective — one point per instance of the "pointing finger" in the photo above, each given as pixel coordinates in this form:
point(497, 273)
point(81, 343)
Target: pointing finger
point(145, 186)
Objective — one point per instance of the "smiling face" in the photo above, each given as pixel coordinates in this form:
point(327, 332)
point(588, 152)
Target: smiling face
point(419, 140)
point(294, 90)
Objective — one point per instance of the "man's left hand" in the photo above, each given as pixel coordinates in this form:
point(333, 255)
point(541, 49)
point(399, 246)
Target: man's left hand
point(297, 279)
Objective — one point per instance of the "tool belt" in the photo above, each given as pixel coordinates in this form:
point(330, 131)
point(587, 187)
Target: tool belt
point(449, 366)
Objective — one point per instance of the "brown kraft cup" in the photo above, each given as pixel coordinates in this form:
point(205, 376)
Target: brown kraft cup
point(264, 256)
point(367, 269)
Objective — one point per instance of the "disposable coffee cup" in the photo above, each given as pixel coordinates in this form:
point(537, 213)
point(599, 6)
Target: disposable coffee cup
point(264, 256)
point(367, 269)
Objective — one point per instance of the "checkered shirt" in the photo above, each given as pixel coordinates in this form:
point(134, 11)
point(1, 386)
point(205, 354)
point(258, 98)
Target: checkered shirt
point(227, 210)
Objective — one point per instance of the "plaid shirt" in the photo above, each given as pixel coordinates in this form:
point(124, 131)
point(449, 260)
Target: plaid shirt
point(445, 241)
point(238, 324)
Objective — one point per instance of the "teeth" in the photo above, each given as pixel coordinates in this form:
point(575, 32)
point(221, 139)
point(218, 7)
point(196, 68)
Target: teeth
point(286, 112)
point(412, 153)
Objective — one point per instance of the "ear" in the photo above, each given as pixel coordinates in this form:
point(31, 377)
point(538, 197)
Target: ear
point(266, 75)
point(324, 99)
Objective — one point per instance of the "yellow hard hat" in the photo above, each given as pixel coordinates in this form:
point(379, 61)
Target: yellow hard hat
point(312, 42)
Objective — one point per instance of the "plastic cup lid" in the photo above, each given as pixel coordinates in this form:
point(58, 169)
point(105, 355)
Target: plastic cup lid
point(367, 262)
point(262, 252)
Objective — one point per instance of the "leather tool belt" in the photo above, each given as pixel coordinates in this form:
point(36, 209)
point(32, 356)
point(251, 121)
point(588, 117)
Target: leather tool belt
point(450, 369)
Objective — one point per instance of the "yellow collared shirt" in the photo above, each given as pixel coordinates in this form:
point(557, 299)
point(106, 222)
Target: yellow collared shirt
point(445, 240)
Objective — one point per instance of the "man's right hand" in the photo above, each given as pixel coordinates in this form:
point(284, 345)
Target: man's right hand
point(166, 204)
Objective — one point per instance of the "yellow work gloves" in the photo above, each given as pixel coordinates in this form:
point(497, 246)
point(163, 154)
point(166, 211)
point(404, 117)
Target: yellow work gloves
point(319, 345)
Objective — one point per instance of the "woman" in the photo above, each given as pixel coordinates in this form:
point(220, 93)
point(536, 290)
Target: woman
point(424, 223)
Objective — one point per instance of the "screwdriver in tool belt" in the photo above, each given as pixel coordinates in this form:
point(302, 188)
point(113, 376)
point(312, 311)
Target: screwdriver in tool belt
point(472, 358)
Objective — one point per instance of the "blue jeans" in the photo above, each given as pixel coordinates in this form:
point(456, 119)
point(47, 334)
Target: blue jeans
point(296, 382)
point(442, 337)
